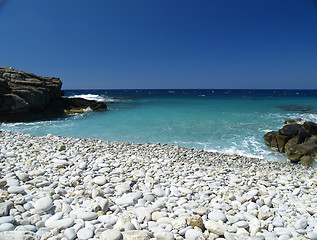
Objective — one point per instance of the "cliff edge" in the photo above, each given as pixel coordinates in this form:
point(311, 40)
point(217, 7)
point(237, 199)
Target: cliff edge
point(26, 97)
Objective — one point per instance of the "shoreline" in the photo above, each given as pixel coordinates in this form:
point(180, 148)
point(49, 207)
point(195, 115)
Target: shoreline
point(97, 189)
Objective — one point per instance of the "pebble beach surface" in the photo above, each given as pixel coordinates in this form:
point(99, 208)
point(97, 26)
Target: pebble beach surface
point(63, 188)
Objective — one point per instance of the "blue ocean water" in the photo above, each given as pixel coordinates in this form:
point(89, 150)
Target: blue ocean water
point(228, 121)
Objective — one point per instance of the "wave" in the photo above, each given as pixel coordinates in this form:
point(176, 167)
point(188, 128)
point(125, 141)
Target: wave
point(99, 98)
point(95, 97)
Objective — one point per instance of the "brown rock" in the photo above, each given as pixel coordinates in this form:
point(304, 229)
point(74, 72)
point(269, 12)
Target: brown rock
point(281, 141)
point(293, 130)
point(307, 160)
point(293, 142)
point(195, 221)
point(270, 139)
point(311, 127)
point(299, 141)
point(26, 97)
point(308, 148)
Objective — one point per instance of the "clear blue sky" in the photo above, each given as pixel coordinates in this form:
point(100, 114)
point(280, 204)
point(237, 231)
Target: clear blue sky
point(163, 43)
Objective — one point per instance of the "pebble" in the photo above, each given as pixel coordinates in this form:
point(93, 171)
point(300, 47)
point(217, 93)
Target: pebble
point(195, 221)
point(5, 208)
point(312, 235)
point(82, 165)
point(70, 233)
point(136, 235)
point(111, 234)
point(7, 219)
point(126, 201)
point(44, 203)
point(242, 224)
point(85, 233)
point(56, 188)
point(87, 216)
point(160, 192)
point(22, 176)
point(217, 215)
point(15, 189)
point(61, 223)
point(192, 234)
point(301, 224)
point(215, 227)
point(100, 180)
point(6, 227)
point(164, 236)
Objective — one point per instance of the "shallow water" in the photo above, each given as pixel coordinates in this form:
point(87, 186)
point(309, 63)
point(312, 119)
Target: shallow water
point(229, 121)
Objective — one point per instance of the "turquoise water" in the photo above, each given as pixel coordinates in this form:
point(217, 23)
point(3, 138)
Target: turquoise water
point(228, 121)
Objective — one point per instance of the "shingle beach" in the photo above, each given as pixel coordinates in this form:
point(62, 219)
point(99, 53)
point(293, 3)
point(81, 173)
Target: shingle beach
point(64, 188)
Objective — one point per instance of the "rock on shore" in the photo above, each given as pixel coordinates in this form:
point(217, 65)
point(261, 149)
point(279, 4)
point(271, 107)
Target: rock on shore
point(58, 188)
point(26, 96)
point(298, 141)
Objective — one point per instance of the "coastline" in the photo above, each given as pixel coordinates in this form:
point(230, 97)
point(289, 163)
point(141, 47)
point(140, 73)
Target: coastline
point(95, 189)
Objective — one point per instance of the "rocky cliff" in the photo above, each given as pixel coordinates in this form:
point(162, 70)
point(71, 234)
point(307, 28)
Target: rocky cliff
point(298, 141)
point(26, 96)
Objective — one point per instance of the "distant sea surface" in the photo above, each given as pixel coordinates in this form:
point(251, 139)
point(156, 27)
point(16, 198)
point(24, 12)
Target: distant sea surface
point(227, 121)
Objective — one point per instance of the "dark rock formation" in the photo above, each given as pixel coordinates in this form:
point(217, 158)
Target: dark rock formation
point(298, 141)
point(26, 97)
point(78, 105)
point(298, 108)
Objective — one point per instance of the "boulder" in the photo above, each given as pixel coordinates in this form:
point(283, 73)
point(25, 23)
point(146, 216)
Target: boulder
point(78, 105)
point(310, 127)
point(292, 130)
point(270, 139)
point(26, 97)
point(298, 141)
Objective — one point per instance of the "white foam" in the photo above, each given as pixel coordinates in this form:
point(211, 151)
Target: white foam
point(95, 97)
point(100, 98)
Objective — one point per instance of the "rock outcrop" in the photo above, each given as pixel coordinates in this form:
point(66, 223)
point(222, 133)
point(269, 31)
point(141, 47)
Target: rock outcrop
point(298, 141)
point(26, 96)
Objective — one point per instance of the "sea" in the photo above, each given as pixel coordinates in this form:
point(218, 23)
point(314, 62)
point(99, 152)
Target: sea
point(222, 120)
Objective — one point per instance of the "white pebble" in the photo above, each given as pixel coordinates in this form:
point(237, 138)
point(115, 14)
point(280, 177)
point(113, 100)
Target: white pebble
point(44, 203)
point(193, 234)
point(6, 227)
point(15, 189)
point(111, 234)
point(85, 233)
point(217, 215)
point(70, 233)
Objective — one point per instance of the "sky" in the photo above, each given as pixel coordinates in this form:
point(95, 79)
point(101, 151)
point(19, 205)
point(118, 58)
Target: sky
point(165, 44)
